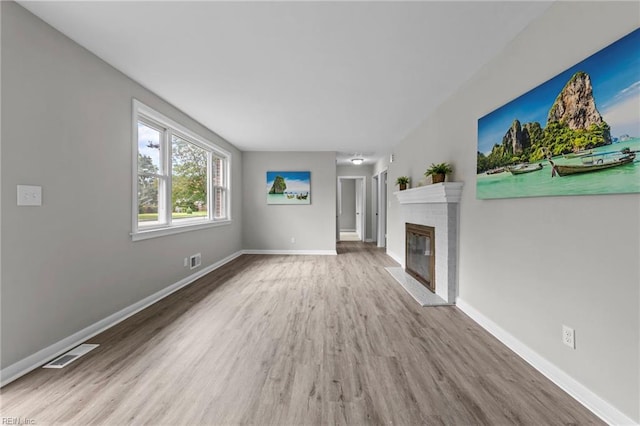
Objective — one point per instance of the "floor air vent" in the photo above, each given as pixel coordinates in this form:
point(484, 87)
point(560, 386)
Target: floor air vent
point(67, 358)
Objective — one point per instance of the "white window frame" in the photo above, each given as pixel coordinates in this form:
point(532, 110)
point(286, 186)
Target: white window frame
point(142, 112)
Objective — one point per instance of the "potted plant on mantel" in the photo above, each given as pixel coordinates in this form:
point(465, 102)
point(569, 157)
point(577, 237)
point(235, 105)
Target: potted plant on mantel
point(438, 172)
point(402, 182)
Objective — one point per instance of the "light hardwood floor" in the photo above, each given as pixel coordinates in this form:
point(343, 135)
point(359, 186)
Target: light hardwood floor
point(291, 340)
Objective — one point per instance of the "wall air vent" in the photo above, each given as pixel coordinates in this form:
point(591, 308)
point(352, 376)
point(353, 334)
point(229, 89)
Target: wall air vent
point(67, 358)
point(195, 261)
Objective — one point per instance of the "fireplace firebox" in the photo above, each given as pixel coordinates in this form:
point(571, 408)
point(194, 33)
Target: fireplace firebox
point(420, 257)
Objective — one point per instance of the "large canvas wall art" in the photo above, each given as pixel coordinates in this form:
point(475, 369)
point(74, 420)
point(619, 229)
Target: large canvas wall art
point(288, 188)
point(578, 133)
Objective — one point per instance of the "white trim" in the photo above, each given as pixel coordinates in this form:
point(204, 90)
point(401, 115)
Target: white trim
point(293, 252)
point(339, 199)
point(374, 208)
point(382, 201)
point(139, 107)
point(369, 240)
point(134, 166)
point(33, 361)
point(175, 229)
point(361, 222)
point(173, 128)
point(577, 390)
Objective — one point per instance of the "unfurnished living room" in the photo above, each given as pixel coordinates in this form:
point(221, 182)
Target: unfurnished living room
point(224, 213)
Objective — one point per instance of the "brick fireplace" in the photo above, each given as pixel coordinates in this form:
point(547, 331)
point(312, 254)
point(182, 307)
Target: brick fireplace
point(435, 206)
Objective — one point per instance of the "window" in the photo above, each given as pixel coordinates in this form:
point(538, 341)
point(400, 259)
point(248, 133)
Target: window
point(181, 180)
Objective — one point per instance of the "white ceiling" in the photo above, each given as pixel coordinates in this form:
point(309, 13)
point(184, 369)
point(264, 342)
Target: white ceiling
point(352, 77)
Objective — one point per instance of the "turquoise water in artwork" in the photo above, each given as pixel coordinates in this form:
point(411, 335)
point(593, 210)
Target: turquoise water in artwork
point(616, 180)
point(283, 199)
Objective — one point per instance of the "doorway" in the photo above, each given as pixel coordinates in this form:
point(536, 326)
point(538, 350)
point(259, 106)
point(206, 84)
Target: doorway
point(380, 208)
point(351, 221)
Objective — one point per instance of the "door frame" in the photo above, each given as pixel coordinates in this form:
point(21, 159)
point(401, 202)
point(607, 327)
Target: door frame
point(381, 207)
point(361, 201)
point(375, 207)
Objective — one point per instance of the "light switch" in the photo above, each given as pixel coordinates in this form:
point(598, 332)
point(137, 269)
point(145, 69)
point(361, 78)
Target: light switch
point(29, 195)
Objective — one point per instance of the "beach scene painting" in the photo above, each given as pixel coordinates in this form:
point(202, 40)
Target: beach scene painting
point(576, 134)
point(288, 187)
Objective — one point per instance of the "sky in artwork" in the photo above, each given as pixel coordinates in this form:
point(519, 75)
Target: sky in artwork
point(615, 77)
point(296, 181)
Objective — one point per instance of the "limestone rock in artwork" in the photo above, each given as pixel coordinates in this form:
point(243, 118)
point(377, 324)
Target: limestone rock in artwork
point(575, 106)
point(515, 140)
point(278, 186)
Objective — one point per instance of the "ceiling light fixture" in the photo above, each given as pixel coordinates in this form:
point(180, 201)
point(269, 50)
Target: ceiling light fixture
point(357, 161)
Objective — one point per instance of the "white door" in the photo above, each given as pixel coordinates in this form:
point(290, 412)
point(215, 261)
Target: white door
point(359, 209)
point(382, 209)
point(374, 205)
point(338, 209)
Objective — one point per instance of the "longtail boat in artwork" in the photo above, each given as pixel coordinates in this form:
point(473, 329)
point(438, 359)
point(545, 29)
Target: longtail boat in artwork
point(524, 168)
point(594, 163)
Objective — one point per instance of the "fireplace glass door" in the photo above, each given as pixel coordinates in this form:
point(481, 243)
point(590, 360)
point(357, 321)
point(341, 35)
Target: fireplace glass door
point(420, 254)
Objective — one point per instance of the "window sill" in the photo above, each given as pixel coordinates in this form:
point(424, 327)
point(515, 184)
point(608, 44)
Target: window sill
point(161, 232)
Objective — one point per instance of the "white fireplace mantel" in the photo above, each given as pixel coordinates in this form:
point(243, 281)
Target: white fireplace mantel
point(445, 192)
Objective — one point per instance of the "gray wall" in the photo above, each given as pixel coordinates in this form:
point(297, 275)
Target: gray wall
point(347, 218)
point(367, 172)
point(531, 265)
point(271, 227)
point(66, 125)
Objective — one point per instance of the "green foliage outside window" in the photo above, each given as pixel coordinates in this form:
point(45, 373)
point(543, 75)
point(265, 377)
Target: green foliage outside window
point(189, 177)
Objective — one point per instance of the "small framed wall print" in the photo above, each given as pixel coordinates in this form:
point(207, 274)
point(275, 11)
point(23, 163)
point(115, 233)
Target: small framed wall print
point(288, 187)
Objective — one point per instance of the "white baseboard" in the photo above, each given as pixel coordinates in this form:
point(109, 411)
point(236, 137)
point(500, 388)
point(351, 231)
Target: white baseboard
point(399, 259)
point(577, 390)
point(293, 252)
point(369, 240)
point(33, 361)
point(348, 230)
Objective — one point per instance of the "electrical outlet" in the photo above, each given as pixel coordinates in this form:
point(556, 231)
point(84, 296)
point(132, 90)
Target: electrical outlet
point(186, 262)
point(29, 195)
point(293, 240)
point(569, 336)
